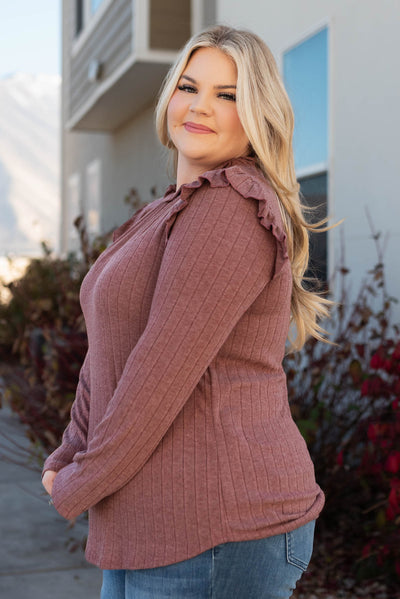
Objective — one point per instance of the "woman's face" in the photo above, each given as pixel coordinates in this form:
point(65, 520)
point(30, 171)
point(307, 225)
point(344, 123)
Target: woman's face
point(203, 122)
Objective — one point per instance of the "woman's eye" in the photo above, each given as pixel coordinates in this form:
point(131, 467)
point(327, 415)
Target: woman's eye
point(187, 88)
point(226, 96)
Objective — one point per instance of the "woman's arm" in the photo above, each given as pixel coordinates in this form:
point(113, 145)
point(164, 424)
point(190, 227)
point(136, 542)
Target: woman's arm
point(75, 435)
point(217, 261)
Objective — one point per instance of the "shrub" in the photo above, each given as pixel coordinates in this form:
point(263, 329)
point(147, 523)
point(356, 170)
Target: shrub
point(47, 295)
point(43, 337)
point(345, 399)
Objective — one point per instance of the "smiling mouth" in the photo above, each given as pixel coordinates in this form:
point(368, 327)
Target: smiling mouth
point(194, 128)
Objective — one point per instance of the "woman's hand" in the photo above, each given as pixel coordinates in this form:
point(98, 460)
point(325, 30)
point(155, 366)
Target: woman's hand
point(48, 480)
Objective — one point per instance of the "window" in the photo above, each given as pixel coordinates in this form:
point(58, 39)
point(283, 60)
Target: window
point(93, 189)
point(79, 11)
point(94, 5)
point(305, 72)
point(314, 189)
point(85, 10)
point(73, 210)
point(306, 80)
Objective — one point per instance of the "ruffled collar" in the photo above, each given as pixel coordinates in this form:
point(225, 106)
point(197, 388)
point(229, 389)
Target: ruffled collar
point(215, 174)
point(246, 177)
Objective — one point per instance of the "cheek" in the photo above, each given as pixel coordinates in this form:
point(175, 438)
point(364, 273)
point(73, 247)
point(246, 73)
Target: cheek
point(235, 126)
point(171, 117)
point(175, 108)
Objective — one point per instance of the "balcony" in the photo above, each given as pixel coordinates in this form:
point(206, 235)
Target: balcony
point(115, 67)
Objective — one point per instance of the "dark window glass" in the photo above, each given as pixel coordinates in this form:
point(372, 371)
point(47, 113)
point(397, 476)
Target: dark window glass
point(78, 16)
point(314, 190)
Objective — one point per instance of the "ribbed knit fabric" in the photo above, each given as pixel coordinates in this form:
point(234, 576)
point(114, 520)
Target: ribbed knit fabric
point(181, 436)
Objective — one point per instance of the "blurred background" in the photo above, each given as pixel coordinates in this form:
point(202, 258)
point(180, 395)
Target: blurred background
point(30, 87)
point(78, 154)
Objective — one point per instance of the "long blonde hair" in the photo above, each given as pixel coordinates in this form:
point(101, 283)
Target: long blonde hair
point(267, 117)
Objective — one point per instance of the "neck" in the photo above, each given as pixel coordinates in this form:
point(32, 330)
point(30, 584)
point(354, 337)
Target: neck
point(188, 172)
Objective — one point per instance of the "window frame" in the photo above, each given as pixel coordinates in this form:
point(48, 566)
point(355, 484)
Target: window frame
point(325, 167)
point(89, 22)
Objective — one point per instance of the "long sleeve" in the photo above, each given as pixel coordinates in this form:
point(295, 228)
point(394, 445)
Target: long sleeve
point(75, 435)
point(216, 262)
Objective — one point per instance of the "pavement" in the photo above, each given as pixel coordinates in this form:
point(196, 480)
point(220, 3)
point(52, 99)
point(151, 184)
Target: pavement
point(35, 541)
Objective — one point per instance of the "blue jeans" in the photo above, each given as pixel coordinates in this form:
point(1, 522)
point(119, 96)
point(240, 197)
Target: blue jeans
point(262, 569)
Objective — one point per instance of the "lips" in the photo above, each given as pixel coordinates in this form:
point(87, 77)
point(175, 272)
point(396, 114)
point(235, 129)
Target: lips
point(195, 128)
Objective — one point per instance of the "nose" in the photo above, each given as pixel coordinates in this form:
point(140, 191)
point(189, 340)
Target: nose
point(200, 104)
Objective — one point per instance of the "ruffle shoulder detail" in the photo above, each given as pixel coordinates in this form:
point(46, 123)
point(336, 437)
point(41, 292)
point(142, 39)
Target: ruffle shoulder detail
point(246, 178)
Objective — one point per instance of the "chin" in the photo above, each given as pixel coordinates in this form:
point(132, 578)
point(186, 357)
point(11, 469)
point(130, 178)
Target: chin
point(198, 158)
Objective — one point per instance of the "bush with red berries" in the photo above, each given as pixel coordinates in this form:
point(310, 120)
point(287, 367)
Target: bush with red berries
point(345, 398)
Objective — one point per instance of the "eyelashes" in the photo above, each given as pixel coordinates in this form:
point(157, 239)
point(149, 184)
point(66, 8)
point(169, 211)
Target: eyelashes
point(227, 96)
point(187, 88)
point(192, 90)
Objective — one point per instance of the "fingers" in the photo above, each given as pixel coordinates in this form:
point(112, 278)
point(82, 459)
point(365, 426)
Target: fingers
point(48, 480)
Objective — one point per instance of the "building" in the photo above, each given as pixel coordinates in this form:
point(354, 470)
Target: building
point(338, 58)
point(115, 56)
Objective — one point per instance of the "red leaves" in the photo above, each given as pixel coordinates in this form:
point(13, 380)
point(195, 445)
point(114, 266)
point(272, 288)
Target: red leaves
point(374, 386)
point(376, 360)
point(396, 352)
point(360, 349)
point(380, 464)
point(356, 443)
point(365, 388)
point(367, 549)
point(392, 463)
point(398, 568)
point(371, 432)
point(394, 497)
point(385, 383)
point(393, 508)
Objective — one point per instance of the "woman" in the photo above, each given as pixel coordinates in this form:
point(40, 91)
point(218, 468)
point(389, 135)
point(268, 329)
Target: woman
point(181, 443)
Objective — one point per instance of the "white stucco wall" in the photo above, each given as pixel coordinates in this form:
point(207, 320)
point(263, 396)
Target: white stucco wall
point(364, 121)
point(130, 157)
point(79, 150)
point(139, 161)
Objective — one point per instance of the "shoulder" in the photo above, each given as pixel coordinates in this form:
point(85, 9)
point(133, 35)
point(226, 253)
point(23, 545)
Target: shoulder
point(241, 179)
point(237, 193)
point(238, 178)
point(242, 174)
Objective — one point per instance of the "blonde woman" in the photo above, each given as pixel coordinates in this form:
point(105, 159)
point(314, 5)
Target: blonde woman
point(181, 443)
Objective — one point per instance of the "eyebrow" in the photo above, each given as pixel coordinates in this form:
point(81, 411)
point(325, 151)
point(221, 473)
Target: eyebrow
point(215, 86)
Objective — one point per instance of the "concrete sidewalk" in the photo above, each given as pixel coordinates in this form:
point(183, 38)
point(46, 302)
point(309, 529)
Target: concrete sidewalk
point(34, 559)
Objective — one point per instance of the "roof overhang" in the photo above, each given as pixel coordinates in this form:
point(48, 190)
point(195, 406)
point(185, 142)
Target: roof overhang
point(132, 87)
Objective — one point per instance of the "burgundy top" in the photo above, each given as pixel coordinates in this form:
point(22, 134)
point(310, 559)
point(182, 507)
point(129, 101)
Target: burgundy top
point(181, 437)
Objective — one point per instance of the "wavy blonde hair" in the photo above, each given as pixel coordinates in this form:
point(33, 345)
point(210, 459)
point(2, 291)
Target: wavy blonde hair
point(267, 117)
